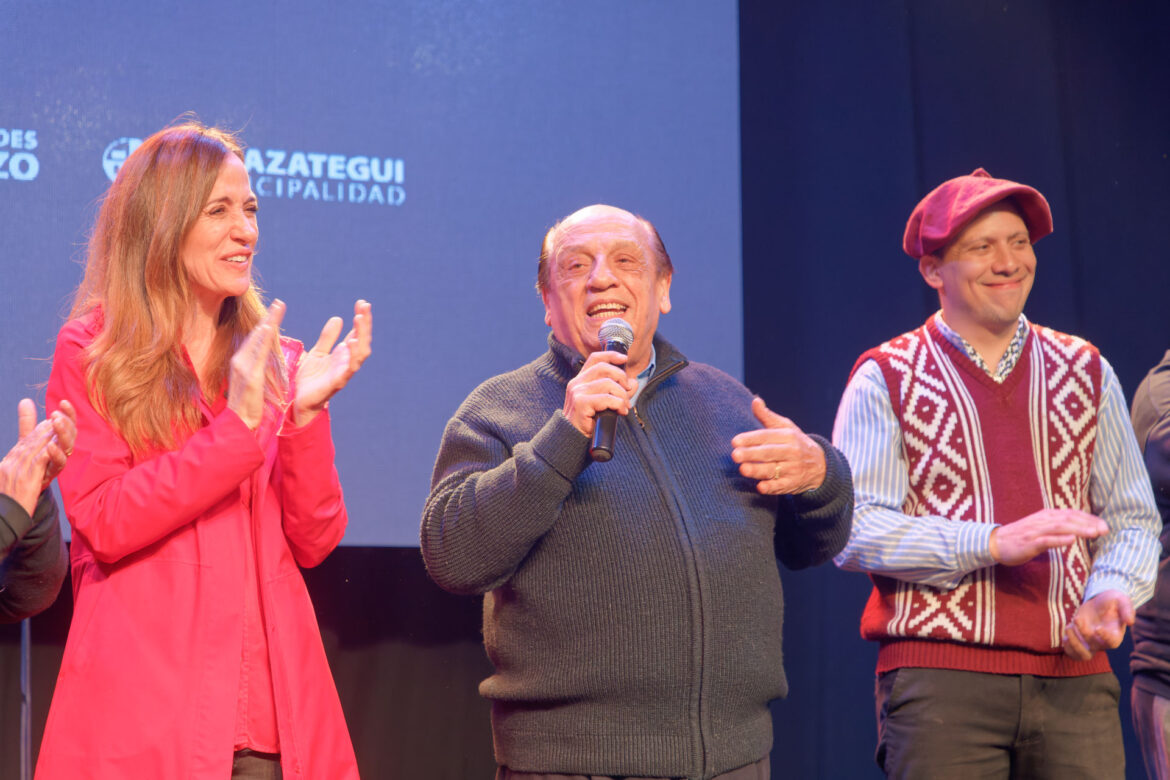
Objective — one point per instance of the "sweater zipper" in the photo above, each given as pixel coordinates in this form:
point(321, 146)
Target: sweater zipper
point(658, 463)
point(656, 380)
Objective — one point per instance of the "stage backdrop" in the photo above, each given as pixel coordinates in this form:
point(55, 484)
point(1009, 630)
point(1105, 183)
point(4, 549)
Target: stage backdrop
point(412, 154)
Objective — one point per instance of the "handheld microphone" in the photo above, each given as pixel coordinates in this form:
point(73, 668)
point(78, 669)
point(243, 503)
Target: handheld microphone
point(615, 335)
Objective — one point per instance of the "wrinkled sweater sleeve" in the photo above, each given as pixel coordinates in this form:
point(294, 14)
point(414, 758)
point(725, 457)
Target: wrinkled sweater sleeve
point(814, 526)
point(34, 558)
point(491, 502)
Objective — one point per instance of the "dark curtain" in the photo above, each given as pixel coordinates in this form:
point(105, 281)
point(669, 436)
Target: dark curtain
point(851, 112)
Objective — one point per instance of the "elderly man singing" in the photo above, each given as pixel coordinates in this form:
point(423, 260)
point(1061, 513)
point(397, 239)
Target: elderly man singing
point(632, 606)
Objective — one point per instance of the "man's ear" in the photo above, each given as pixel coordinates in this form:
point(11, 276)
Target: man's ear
point(547, 313)
point(928, 266)
point(664, 293)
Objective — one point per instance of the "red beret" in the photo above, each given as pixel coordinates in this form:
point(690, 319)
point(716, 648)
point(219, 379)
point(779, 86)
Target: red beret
point(943, 214)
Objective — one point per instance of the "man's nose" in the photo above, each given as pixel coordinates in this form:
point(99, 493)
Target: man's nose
point(1005, 261)
point(602, 275)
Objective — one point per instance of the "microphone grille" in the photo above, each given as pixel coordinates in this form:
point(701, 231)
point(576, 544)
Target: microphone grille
point(616, 329)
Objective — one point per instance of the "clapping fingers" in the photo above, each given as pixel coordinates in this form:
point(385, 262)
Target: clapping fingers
point(265, 337)
point(60, 446)
point(22, 470)
point(357, 341)
point(34, 437)
point(354, 350)
point(359, 338)
point(327, 368)
point(41, 452)
point(251, 359)
point(328, 336)
point(250, 364)
point(65, 425)
point(26, 417)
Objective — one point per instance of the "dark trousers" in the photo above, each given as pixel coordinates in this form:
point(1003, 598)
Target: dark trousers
point(250, 765)
point(1151, 721)
point(935, 723)
point(760, 770)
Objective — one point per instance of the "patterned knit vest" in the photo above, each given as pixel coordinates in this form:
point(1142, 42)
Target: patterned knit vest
point(985, 452)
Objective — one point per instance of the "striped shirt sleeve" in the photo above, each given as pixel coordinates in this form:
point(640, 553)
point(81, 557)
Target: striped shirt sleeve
point(1125, 559)
point(927, 549)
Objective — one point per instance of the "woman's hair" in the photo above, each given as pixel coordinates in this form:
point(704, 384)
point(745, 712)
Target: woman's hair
point(137, 375)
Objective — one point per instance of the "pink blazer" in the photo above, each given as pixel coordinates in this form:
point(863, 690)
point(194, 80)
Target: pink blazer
point(150, 675)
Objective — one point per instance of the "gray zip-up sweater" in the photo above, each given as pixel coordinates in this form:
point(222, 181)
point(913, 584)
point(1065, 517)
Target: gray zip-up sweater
point(632, 608)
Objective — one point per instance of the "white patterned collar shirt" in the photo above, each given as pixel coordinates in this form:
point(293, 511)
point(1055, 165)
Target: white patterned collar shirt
point(1006, 363)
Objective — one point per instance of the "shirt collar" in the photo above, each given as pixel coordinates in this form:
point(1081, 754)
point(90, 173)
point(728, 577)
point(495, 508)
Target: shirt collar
point(1010, 356)
point(644, 377)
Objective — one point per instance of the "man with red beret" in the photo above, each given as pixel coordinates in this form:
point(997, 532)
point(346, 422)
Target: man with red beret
point(1002, 511)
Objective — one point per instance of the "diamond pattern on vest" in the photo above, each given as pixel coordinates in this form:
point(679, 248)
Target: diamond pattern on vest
point(948, 474)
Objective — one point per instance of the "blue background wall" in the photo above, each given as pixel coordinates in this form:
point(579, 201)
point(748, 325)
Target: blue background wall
point(497, 118)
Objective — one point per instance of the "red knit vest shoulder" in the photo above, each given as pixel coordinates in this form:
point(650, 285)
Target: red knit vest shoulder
point(979, 451)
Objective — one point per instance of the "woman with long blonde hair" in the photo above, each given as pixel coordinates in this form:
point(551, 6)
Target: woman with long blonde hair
point(201, 478)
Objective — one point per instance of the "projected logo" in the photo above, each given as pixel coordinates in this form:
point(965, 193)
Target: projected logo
point(276, 173)
point(17, 160)
point(116, 154)
point(333, 178)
